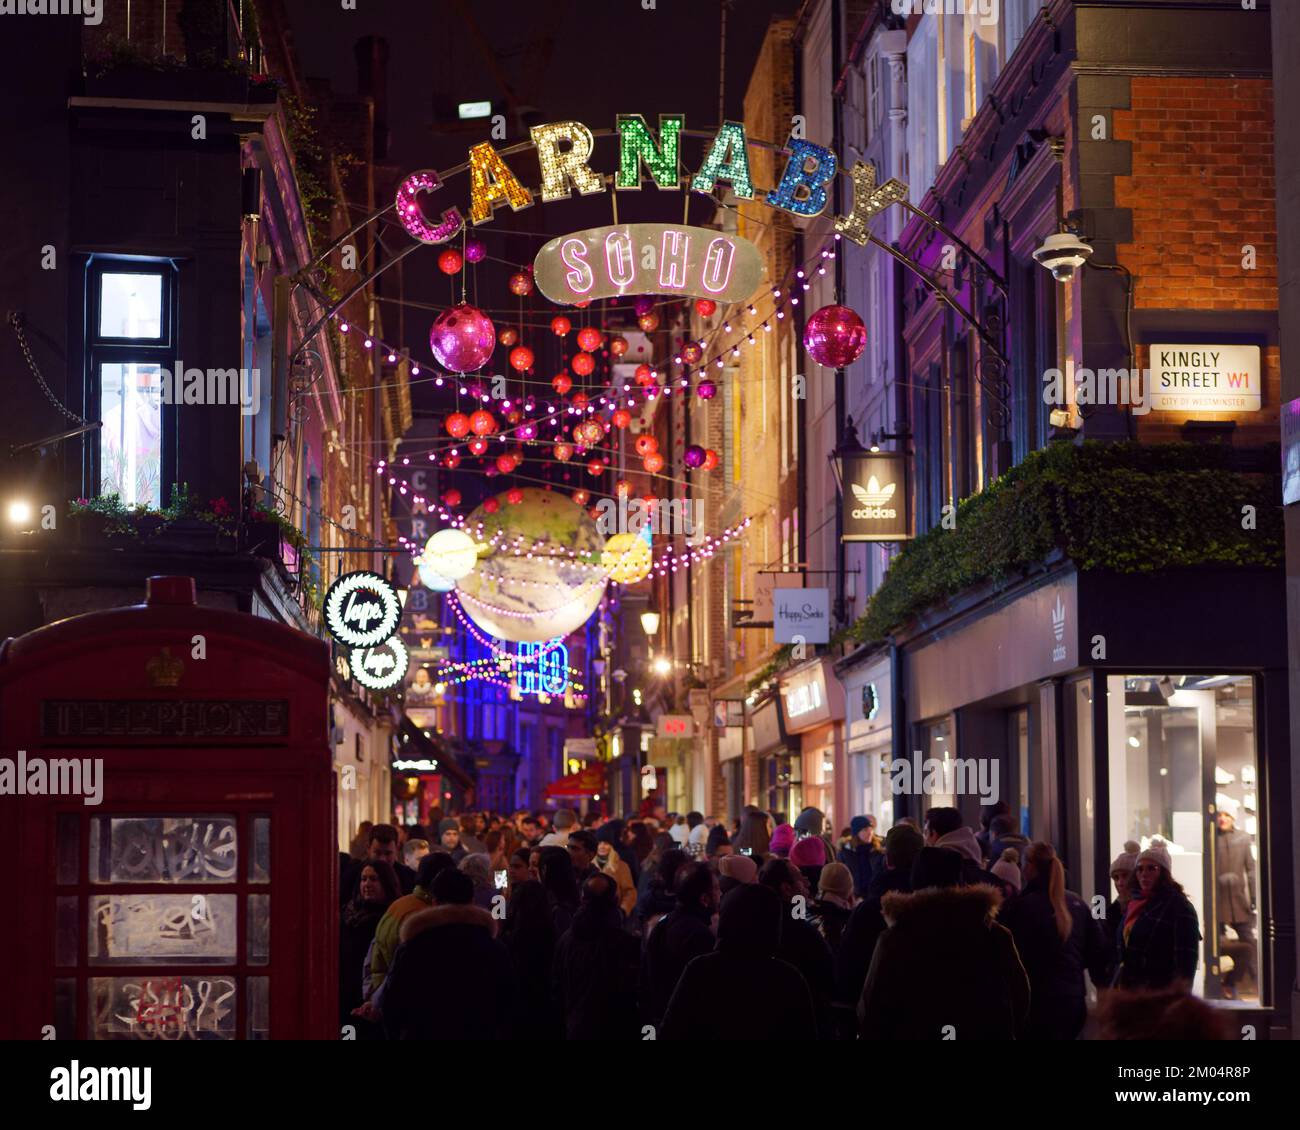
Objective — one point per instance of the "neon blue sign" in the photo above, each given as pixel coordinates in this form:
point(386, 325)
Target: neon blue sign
point(542, 668)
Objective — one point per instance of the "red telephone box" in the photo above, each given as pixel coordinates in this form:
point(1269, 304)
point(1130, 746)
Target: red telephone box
point(198, 898)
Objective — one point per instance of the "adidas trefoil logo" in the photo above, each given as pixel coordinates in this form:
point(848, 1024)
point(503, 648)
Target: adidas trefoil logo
point(874, 498)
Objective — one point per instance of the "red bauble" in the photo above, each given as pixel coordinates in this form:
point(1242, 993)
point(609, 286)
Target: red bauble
point(515, 417)
point(596, 467)
point(478, 446)
point(644, 375)
point(654, 463)
point(705, 307)
point(692, 351)
point(561, 382)
point(621, 418)
point(457, 425)
point(521, 283)
point(589, 338)
point(450, 261)
point(618, 345)
point(583, 364)
point(835, 337)
point(514, 496)
point(451, 497)
point(521, 358)
point(505, 464)
point(581, 497)
point(563, 451)
point(648, 322)
point(579, 400)
point(560, 325)
point(710, 459)
point(451, 459)
point(482, 423)
point(508, 336)
point(646, 445)
point(491, 506)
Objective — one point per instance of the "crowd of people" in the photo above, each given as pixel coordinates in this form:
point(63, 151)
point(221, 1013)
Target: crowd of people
point(674, 926)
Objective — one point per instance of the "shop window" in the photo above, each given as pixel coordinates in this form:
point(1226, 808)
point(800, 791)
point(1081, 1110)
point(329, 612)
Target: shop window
point(1018, 740)
point(937, 741)
point(1079, 713)
point(130, 354)
point(1184, 769)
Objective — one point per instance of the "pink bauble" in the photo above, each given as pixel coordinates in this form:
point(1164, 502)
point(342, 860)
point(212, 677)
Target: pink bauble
point(475, 249)
point(643, 305)
point(835, 337)
point(462, 338)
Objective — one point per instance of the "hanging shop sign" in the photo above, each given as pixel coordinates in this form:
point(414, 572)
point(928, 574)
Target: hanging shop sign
point(1205, 378)
point(811, 696)
point(362, 609)
point(1291, 452)
point(647, 259)
point(676, 726)
point(768, 727)
point(875, 496)
point(563, 152)
point(802, 615)
point(382, 666)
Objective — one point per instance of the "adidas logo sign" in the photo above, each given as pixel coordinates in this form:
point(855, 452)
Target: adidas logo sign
point(873, 498)
point(1058, 620)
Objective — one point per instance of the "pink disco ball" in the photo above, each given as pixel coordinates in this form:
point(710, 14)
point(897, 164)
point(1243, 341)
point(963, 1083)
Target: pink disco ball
point(835, 337)
point(462, 338)
point(643, 305)
point(475, 249)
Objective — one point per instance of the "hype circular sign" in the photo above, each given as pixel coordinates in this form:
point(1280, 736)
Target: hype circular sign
point(362, 609)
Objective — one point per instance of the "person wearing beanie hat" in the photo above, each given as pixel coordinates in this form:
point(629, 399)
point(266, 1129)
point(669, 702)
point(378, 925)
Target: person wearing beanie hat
point(1007, 868)
point(809, 855)
point(1159, 940)
point(782, 840)
point(864, 855)
point(736, 871)
point(834, 903)
point(810, 822)
point(449, 839)
point(1057, 939)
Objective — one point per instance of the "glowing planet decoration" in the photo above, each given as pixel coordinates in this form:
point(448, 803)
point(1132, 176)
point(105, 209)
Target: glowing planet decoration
point(450, 553)
point(548, 592)
point(621, 418)
point(462, 338)
point(627, 558)
point(835, 336)
point(431, 580)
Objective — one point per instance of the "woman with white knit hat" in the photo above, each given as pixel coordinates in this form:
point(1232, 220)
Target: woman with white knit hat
point(1159, 940)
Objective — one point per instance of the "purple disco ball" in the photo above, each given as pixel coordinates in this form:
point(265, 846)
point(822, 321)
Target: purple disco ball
point(706, 390)
point(694, 456)
point(462, 338)
point(835, 337)
point(475, 249)
point(644, 305)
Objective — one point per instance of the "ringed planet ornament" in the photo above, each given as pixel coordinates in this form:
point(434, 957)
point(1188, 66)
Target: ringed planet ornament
point(627, 558)
point(462, 338)
point(835, 336)
point(450, 553)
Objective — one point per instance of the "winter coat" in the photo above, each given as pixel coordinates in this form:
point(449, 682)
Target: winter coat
point(944, 962)
point(1163, 944)
point(594, 977)
point(451, 979)
point(678, 937)
point(963, 842)
point(803, 947)
point(1057, 1008)
point(865, 862)
point(831, 919)
point(386, 933)
point(619, 871)
point(740, 995)
point(861, 932)
point(1234, 870)
point(357, 924)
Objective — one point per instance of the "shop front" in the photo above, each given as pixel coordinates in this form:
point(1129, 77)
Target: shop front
point(864, 786)
point(1107, 709)
point(812, 706)
point(778, 761)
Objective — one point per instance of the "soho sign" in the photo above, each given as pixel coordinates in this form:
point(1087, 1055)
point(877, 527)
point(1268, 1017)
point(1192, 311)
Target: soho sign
point(564, 149)
point(647, 258)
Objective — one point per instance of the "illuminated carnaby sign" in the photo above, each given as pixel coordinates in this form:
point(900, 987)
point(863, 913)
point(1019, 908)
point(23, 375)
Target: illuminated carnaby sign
point(564, 150)
point(647, 259)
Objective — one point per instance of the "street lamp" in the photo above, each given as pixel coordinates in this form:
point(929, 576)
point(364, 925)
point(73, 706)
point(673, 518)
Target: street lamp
point(650, 622)
point(663, 666)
